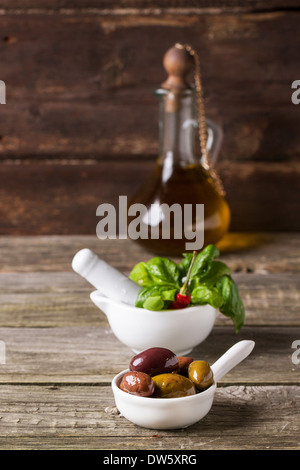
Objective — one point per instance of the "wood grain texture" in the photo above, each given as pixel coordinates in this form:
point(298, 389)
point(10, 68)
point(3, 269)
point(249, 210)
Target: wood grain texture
point(58, 299)
point(93, 355)
point(118, 6)
point(260, 253)
point(81, 417)
point(77, 87)
point(39, 289)
point(53, 199)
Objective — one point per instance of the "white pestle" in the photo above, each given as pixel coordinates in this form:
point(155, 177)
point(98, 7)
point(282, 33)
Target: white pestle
point(105, 278)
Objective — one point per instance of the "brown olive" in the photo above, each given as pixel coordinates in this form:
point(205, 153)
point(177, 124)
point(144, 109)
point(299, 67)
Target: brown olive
point(183, 365)
point(173, 386)
point(201, 374)
point(137, 383)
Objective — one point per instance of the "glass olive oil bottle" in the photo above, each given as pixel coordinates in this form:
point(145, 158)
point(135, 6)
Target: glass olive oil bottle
point(179, 175)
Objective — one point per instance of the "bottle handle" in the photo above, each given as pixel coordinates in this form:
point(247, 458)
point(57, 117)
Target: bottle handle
point(178, 66)
point(214, 140)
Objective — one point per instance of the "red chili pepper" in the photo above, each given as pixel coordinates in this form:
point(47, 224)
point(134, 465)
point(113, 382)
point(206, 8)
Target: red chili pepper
point(183, 297)
point(180, 301)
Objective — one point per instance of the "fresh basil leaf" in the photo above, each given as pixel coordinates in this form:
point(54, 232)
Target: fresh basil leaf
point(163, 292)
point(169, 295)
point(215, 272)
point(202, 264)
point(142, 296)
point(156, 271)
point(154, 303)
point(204, 294)
point(232, 303)
point(203, 261)
point(163, 271)
point(141, 275)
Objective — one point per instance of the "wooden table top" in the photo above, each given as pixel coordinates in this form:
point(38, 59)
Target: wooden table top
point(61, 355)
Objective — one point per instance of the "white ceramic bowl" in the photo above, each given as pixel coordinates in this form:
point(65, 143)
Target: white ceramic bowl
point(178, 330)
point(162, 413)
point(175, 413)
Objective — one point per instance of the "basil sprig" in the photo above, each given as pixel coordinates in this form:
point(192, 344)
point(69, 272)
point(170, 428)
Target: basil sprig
point(210, 283)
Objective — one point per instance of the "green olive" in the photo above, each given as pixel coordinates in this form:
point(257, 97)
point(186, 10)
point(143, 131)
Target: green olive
point(201, 374)
point(173, 386)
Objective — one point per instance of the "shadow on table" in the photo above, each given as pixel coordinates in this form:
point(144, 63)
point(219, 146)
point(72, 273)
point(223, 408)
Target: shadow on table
point(227, 417)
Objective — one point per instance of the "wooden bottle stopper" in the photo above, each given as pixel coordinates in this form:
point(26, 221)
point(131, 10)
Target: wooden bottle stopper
point(178, 63)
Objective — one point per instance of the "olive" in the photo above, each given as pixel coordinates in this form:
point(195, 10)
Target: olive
point(154, 361)
point(201, 374)
point(173, 386)
point(137, 383)
point(183, 364)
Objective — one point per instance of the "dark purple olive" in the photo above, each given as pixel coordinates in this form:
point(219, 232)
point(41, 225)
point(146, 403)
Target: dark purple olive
point(154, 361)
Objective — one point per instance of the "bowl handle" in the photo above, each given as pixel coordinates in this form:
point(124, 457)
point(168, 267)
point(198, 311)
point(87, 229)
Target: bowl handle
point(231, 358)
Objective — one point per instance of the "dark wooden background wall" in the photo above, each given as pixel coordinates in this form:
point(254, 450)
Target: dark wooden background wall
point(80, 124)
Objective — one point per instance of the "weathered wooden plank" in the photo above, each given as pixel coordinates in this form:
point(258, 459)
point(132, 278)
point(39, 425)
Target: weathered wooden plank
point(242, 417)
point(55, 199)
point(80, 90)
point(92, 355)
point(259, 253)
point(55, 299)
point(138, 443)
point(123, 6)
point(50, 309)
